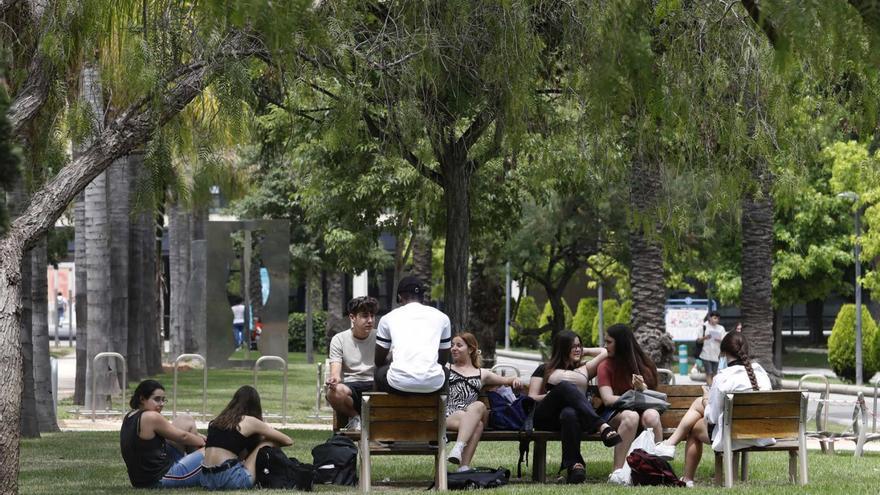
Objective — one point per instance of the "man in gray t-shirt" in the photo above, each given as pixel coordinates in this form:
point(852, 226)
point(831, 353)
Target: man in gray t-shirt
point(352, 361)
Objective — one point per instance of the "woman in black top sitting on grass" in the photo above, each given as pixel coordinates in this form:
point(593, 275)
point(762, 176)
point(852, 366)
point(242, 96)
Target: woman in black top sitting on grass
point(234, 438)
point(560, 389)
point(153, 448)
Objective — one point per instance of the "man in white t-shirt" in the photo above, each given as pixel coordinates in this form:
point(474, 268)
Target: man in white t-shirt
point(352, 361)
point(419, 337)
point(713, 333)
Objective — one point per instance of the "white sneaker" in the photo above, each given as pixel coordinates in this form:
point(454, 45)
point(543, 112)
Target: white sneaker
point(455, 453)
point(354, 424)
point(620, 477)
point(664, 451)
point(688, 483)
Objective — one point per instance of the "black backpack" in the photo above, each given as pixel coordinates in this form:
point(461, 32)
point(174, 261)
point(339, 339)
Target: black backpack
point(336, 462)
point(480, 477)
point(649, 469)
point(276, 470)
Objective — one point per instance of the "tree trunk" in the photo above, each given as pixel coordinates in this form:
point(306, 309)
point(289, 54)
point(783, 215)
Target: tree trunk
point(137, 310)
point(14, 318)
point(422, 258)
point(196, 277)
point(151, 296)
point(486, 305)
point(757, 266)
point(337, 321)
point(456, 196)
point(646, 273)
point(814, 321)
point(40, 324)
point(119, 204)
point(178, 253)
point(81, 267)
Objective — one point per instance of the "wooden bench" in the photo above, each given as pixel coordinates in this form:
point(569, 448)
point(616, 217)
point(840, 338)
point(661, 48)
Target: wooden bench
point(416, 424)
point(680, 398)
point(779, 414)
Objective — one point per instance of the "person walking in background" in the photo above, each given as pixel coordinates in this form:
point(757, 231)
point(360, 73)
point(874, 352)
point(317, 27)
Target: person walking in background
point(238, 323)
point(712, 335)
point(235, 437)
point(418, 336)
point(352, 361)
point(155, 449)
point(60, 306)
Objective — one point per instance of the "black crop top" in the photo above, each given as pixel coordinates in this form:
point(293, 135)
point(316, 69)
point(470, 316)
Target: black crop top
point(231, 440)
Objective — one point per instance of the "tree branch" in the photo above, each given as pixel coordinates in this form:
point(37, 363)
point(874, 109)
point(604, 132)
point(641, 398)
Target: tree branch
point(130, 129)
point(379, 133)
point(765, 25)
point(479, 125)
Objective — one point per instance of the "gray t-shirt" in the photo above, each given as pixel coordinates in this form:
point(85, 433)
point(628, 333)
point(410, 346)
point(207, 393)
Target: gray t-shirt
point(357, 356)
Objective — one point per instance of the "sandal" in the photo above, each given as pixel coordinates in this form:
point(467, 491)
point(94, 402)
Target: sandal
point(576, 474)
point(610, 437)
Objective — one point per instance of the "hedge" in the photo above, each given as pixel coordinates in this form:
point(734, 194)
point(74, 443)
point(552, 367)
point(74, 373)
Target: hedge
point(296, 332)
point(842, 348)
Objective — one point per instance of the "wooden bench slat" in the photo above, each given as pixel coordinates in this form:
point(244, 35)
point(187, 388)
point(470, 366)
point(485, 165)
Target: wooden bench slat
point(384, 413)
point(757, 411)
point(403, 431)
point(768, 397)
point(691, 391)
point(681, 402)
point(764, 428)
point(380, 399)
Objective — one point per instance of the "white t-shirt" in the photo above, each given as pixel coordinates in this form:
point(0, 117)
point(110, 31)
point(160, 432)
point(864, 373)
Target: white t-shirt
point(733, 379)
point(414, 333)
point(712, 343)
point(238, 313)
point(356, 355)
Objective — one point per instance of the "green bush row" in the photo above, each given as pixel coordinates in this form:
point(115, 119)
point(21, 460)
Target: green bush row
point(584, 322)
point(296, 332)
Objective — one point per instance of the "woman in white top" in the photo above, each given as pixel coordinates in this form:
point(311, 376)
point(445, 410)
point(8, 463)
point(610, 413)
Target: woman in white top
point(698, 425)
point(713, 333)
point(464, 410)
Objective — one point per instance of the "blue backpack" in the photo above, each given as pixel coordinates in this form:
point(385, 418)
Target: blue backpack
point(507, 415)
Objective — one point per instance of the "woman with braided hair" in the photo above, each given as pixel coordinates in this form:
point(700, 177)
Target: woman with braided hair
point(698, 426)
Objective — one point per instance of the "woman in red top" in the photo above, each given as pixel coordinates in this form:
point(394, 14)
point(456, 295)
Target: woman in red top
point(627, 367)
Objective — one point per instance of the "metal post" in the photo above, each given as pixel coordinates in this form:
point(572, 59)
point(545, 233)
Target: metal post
point(310, 329)
point(601, 341)
point(857, 252)
point(102, 355)
point(177, 361)
point(284, 388)
point(507, 307)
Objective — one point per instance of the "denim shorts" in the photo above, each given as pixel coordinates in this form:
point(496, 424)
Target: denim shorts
point(186, 470)
point(711, 367)
point(234, 477)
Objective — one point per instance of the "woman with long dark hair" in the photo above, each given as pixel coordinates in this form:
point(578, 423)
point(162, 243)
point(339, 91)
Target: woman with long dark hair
point(155, 449)
point(698, 423)
point(559, 388)
point(627, 368)
point(234, 438)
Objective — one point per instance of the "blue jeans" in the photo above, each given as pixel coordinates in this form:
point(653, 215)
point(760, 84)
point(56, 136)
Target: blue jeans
point(234, 477)
point(238, 333)
point(186, 470)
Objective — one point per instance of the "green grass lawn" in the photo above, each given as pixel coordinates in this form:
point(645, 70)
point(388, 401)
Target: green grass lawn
point(805, 359)
point(222, 383)
point(89, 462)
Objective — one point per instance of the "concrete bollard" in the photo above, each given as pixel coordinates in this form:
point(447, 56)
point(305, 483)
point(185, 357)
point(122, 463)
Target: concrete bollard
point(682, 359)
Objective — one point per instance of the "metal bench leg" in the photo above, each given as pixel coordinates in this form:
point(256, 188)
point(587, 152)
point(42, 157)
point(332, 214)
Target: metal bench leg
point(539, 462)
point(365, 447)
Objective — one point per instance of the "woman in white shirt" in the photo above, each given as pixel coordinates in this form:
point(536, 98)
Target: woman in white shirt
point(698, 425)
point(713, 333)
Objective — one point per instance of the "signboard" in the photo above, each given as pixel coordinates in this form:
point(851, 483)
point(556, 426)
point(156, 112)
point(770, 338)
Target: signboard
point(685, 322)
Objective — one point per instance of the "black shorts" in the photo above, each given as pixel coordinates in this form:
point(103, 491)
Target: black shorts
point(357, 391)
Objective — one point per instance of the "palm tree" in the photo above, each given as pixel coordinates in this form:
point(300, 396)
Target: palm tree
point(119, 213)
point(40, 327)
point(81, 265)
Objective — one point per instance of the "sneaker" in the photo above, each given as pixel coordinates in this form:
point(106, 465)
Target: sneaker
point(354, 424)
point(688, 483)
point(620, 477)
point(463, 468)
point(455, 453)
point(664, 451)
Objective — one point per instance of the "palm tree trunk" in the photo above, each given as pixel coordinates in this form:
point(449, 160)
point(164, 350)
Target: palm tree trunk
point(151, 299)
point(757, 266)
point(40, 326)
point(81, 266)
point(179, 271)
point(119, 204)
point(137, 368)
point(647, 280)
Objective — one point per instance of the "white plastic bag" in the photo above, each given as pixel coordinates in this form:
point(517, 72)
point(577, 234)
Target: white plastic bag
point(644, 441)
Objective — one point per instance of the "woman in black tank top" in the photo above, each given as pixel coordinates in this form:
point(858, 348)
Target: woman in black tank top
point(153, 448)
point(234, 438)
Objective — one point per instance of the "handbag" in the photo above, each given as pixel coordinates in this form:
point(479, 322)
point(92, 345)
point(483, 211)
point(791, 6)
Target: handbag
point(639, 401)
point(698, 346)
point(474, 478)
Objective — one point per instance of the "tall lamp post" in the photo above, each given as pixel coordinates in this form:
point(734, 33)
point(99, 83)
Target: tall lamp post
point(851, 196)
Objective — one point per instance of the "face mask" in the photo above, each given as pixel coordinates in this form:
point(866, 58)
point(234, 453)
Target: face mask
point(722, 363)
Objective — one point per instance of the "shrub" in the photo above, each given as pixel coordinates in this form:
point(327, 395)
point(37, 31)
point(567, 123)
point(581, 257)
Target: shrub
point(624, 314)
point(548, 313)
point(841, 344)
point(610, 307)
point(527, 314)
point(296, 332)
point(582, 324)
